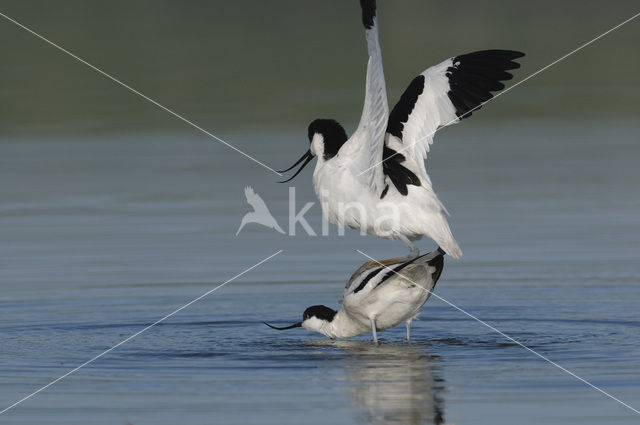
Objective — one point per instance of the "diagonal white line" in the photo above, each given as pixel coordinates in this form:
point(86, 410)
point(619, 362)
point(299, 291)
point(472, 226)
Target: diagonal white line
point(114, 79)
point(506, 90)
point(138, 333)
point(507, 336)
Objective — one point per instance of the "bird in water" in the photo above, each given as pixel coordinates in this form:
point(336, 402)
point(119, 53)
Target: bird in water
point(377, 298)
point(376, 180)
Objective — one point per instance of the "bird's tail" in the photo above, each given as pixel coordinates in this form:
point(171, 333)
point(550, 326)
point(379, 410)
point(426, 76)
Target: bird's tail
point(442, 235)
point(450, 247)
point(430, 256)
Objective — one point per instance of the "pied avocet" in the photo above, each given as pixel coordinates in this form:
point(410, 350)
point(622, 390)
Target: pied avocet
point(377, 298)
point(381, 168)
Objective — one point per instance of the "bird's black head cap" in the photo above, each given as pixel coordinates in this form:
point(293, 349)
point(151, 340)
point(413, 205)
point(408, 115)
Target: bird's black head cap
point(322, 312)
point(333, 134)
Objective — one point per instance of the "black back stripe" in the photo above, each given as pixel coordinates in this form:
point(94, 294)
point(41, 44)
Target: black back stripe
point(400, 113)
point(473, 77)
point(396, 270)
point(366, 280)
point(368, 12)
point(437, 262)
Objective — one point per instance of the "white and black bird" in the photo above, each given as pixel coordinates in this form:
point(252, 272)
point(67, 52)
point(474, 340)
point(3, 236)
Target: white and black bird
point(377, 298)
point(381, 166)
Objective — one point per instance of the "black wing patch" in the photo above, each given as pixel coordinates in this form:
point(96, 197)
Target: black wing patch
point(437, 262)
point(387, 275)
point(368, 12)
point(475, 75)
point(392, 166)
point(400, 113)
point(399, 175)
point(396, 270)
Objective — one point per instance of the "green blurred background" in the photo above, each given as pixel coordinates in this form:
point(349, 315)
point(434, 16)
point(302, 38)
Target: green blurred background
point(233, 65)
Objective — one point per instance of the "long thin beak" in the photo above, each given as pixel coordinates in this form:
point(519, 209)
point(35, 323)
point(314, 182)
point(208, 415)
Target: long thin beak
point(307, 157)
point(295, 325)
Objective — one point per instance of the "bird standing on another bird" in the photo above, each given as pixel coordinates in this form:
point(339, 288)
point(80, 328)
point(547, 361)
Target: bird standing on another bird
point(376, 180)
point(377, 298)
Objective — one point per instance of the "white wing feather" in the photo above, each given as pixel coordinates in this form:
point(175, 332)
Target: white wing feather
point(366, 144)
point(450, 91)
point(432, 111)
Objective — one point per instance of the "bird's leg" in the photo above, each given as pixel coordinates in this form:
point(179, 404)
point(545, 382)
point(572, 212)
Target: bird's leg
point(373, 329)
point(414, 252)
point(408, 324)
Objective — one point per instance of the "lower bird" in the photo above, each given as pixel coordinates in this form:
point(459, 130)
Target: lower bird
point(377, 298)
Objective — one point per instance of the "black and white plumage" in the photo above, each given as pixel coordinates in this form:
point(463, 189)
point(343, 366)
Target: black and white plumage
point(382, 164)
point(377, 298)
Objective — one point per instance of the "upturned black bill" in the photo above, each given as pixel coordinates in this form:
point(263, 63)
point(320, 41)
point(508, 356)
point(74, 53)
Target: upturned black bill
point(307, 157)
point(295, 325)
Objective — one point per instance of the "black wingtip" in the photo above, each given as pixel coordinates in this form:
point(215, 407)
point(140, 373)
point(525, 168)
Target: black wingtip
point(474, 76)
point(368, 12)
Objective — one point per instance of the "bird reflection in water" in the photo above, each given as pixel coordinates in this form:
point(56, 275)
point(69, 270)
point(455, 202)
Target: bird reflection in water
point(393, 383)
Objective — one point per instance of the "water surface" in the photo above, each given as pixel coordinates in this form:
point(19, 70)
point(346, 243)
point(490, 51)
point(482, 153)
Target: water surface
point(104, 235)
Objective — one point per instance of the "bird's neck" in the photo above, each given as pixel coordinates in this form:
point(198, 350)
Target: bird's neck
point(344, 326)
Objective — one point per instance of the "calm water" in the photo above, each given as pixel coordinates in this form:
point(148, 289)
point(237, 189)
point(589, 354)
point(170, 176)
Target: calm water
point(102, 236)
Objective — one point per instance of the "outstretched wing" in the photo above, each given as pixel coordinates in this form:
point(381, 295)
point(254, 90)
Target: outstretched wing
point(367, 142)
point(443, 95)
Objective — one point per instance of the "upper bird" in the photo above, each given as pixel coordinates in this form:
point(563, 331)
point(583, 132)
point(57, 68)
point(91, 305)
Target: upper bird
point(376, 180)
